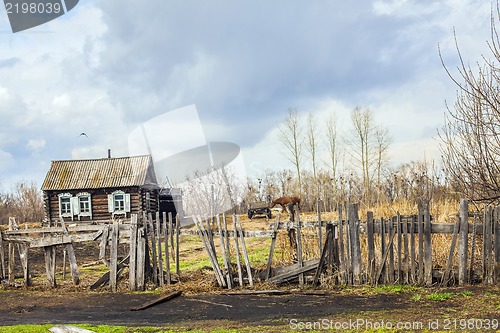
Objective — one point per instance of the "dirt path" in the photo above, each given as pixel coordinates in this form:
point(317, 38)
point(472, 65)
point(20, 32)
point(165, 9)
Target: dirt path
point(20, 307)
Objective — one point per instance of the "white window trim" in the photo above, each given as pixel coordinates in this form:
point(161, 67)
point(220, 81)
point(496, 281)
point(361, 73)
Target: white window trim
point(79, 212)
point(126, 203)
point(60, 197)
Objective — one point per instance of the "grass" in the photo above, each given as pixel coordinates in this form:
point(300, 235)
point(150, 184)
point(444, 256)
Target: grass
point(439, 296)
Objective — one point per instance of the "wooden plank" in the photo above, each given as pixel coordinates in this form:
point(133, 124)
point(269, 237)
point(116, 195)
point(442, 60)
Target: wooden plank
point(160, 300)
point(342, 272)
point(463, 242)
point(399, 249)
point(72, 259)
point(323, 257)
point(320, 227)
point(299, 243)
point(11, 254)
point(113, 257)
point(237, 251)
point(133, 254)
point(170, 235)
point(406, 268)
point(23, 254)
point(420, 221)
point(50, 265)
point(273, 244)
point(496, 228)
point(210, 250)
point(356, 246)
point(177, 233)
point(487, 248)
point(294, 274)
point(384, 258)
point(141, 259)
point(449, 264)
point(413, 253)
point(166, 235)
point(160, 255)
point(229, 276)
point(103, 244)
point(371, 246)
point(382, 277)
point(428, 245)
point(390, 249)
point(152, 236)
point(245, 254)
point(224, 254)
point(3, 272)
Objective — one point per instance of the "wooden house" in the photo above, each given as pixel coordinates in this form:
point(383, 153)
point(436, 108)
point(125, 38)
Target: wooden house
point(100, 189)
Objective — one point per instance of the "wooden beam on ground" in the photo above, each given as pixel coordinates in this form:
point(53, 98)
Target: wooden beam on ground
point(294, 274)
point(157, 301)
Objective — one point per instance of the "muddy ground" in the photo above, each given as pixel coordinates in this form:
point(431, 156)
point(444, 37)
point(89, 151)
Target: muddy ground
point(206, 311)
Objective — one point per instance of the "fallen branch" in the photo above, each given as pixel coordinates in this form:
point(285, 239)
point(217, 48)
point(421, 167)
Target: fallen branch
point(204, 301)
point(157, 301)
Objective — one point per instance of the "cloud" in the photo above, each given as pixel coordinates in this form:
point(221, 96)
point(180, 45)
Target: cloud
point(36, 144)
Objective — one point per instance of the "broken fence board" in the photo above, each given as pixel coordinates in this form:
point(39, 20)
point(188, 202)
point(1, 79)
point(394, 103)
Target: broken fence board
point(158, 301)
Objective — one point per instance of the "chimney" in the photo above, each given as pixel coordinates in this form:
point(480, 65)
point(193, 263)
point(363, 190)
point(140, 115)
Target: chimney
point(109, 153)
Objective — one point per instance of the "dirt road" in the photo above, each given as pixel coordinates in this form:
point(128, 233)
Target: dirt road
point(213, 310)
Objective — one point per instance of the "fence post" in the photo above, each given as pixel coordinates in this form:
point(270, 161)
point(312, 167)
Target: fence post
point(113, 257)
point(50, 265)
point(133, 253)
point(371, 246)
point(343, 271)
point(496, 228)
point(355, 243)
point(2, 258)
point(487, 238)
point(428, 245)
point(463, 243)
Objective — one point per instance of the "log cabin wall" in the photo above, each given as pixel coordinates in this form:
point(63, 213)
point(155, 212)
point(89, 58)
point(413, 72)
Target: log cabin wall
point(139, 198)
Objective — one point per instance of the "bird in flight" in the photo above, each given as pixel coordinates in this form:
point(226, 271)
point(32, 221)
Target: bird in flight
point(84, 134)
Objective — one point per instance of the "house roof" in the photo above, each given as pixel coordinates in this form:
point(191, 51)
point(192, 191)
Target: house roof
point(100, 173)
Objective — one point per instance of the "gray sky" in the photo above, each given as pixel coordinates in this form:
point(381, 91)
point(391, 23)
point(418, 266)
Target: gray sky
point(108, 66)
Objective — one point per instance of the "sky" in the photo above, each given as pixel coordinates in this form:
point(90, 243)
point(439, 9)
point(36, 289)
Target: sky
point(108, 66)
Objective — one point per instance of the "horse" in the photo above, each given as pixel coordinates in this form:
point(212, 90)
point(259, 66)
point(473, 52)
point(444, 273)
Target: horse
point(285, 201)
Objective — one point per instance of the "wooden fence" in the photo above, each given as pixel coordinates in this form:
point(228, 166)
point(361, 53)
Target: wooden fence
point(396, 250)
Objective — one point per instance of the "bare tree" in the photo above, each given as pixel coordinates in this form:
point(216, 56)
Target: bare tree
point(333, 145)
point(291, 137)
point(369, 143)
point(312, 132)
point(470, 140)
point(382, 142)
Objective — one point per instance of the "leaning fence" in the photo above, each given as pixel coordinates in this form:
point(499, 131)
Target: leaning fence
point(397, 250)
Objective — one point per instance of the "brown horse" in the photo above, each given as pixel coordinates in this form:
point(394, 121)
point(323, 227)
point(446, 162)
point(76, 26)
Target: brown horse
point(284, 201)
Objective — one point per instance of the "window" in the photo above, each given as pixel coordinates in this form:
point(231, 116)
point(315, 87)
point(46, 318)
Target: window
point(119, 202)
point(65, 209)
point(84, 204)
point(65, 205)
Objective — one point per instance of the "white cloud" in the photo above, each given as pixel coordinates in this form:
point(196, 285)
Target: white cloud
point(36, 144)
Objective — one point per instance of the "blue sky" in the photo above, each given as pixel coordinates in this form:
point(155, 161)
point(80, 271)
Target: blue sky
point(108, 66)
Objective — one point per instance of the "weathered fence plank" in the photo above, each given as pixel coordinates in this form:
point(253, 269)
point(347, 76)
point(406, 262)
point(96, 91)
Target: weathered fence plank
point(299, 244)
point(428, 245)
point(50, 265)
point(463, 243)
point(271, 250)
point(133, 254)
point(496, 226)
point(113, 257)
point(371, 247)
